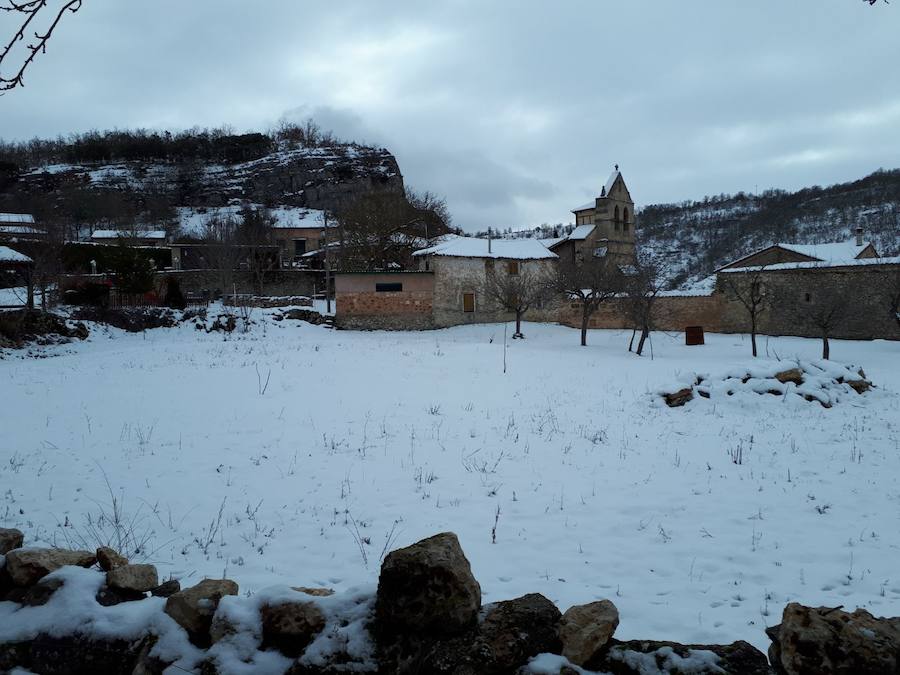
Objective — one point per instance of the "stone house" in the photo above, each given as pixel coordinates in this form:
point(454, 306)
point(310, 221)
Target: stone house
point(603, 227)
point(300, 234)
point(776, 254)
point(446, 290)
point(461, 266)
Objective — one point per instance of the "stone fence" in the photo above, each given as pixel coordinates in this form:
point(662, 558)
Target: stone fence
point(89, 612)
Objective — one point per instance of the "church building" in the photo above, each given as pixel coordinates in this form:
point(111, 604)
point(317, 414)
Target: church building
point(604, 227)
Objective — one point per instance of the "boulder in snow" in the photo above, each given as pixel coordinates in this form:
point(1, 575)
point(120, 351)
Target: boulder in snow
point(679, 398)
point(194, 607)
point(10, 539)
point(139, 578)
point(291, 626)
point(166, 588)
point(26, 566)
point(427, 589)
point(585, 630)
point(110, 558)
point(829, 641)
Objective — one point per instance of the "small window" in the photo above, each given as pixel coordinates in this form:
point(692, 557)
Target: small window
point(468, 302)
point(512, 268)
point(600, 252)
point(388, 288)
point(808, 297)
point(299, 247)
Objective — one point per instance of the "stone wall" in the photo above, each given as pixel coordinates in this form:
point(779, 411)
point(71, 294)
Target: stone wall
point(278, 282)
point(856, 292)
point(90, 612)
point(671, 313)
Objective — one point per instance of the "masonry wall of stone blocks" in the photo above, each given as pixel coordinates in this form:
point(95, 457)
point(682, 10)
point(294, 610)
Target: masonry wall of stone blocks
point(671, 313)
point(797, 295)
point(455, 277)
point(278, 282)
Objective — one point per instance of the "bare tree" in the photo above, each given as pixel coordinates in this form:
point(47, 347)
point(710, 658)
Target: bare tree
point(825, 315)
point(28, 13)
point(643, 284)
point(48, 260)
point(591, 284)
point(748, 288)
point(256, 241)
point(220, 249)
point(380, 230)
point(516, 291)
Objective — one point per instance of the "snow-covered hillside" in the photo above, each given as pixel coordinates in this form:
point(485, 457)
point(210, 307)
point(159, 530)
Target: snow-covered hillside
point(697, 237)
point(296, 454)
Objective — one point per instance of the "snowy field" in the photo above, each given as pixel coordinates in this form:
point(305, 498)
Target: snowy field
point(296, 454)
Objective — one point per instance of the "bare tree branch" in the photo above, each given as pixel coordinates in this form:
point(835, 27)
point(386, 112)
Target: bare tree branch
point(30, 9)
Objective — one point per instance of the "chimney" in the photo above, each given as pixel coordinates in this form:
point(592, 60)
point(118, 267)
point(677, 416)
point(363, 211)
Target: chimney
point(859, 233)
point(489, 240)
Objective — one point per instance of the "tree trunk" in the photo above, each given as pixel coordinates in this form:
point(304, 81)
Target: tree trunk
point(631, 341)
point(644, 333)
point(585, 318)
point(826, 348)
point(753, 334)
point(29, 280)
point(518, 325)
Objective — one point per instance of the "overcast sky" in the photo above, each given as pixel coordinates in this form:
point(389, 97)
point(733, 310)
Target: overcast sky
point(514, 111)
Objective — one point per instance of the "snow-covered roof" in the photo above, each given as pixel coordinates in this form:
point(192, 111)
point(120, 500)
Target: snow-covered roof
point(16, 218)
point(584, 207)
point(611, 181)
point(474, 247)
point(20, 229)
point(815, 264)
point(580, 233)
point(841, 250)
point(551, 242)
point(605, 193)
point(8, 255)
point(127, 234)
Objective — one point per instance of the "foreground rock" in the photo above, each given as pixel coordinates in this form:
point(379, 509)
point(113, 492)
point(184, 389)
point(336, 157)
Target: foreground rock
point(515, 630)
point(639, 657)
point(10, 539)
point(427, 589)
point(166, 589)
point(138, 578)
point(110, 558)
point(585, 630)
point(74, 654)
point(679, 398)
point(26, 566)
point(511, 633)
point(194, 607)
point(291, 626)
point(794, 375)
point(833, 642)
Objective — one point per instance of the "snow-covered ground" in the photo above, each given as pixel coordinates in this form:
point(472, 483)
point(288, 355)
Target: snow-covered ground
point(298, 455)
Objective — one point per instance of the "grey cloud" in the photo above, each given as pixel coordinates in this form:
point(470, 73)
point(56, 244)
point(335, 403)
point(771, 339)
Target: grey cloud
point(513, 110)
